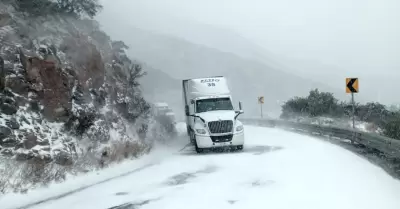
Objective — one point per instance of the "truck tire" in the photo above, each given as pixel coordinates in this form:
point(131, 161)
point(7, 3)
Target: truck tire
point(192, 137)
point(199, 150)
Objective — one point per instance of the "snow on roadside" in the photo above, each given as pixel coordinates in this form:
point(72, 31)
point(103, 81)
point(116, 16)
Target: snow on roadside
point(75, 182)
point(305, 173)
point(343, 123)
point(72, 183)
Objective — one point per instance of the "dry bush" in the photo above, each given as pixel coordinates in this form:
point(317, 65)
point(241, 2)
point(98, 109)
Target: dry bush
point(19, 177)
point(85, 163)
point(121, 150)
point(6, 174)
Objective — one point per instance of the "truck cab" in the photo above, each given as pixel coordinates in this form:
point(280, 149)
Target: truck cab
point(210, 116)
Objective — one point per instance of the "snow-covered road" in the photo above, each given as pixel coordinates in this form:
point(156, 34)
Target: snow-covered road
point(276, 170)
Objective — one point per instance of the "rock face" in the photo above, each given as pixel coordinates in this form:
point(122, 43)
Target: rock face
point(65, 88)
point(2, 73)
point(51, 85)
point(4, 132)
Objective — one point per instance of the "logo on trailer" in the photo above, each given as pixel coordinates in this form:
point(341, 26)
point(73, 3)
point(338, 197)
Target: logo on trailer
point(208, 80)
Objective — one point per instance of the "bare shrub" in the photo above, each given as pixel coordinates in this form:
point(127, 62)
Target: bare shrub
point(19, 177)
point(121, 150)
point(85, 163)
point(6, 174)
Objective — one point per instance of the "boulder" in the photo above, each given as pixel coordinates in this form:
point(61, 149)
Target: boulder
point(5, 19)
point(4, 132)
point(9, 142)
point(2, 74)
point(62, 157)
point(8, 92)
point(30, 141)
point(17, 84)
point(7, 152)
point(8, 105)
point(44, 142)
point(34, 106)
point(22, 155)
point(13, 123)
point(8, 109)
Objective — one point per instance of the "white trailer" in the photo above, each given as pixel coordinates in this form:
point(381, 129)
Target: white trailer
point(210, 117)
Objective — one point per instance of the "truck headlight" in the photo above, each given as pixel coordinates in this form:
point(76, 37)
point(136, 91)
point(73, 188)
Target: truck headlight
point(239, 128)
point(201, 131)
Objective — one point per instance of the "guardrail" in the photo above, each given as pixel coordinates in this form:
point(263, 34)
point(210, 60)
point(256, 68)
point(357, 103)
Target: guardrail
point(387, 146)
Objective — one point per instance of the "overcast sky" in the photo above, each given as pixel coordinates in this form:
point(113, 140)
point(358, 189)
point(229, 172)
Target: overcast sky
point(355, 37)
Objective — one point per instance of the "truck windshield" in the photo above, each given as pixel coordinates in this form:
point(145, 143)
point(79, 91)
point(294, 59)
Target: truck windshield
point(205, 105)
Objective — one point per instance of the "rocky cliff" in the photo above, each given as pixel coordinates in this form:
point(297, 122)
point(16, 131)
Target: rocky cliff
point(66, 90)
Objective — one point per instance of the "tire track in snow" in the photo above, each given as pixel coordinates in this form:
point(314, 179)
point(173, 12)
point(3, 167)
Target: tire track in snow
point(57, 197)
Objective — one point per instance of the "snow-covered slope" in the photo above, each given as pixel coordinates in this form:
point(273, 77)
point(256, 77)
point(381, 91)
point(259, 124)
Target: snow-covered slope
point(68, 96)
point(277, 170)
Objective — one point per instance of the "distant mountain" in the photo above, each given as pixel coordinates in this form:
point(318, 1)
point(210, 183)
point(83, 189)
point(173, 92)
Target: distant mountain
point(227, 40)
point(218, 37)
point(181, 59)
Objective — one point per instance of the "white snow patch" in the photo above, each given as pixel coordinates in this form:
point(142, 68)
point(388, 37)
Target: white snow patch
point(306, 173)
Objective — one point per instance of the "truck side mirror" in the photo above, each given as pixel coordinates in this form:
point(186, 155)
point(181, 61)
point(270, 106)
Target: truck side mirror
point(191, 101)
point(240, 111)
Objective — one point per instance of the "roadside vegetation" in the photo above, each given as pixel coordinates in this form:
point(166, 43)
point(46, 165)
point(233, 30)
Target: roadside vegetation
point(324, 104)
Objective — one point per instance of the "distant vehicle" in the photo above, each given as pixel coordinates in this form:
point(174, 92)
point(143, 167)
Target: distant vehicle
point(210, 117)
point(160, 108)
point(165, 116)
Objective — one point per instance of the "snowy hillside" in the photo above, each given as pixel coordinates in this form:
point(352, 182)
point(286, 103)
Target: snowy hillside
point(70, 99)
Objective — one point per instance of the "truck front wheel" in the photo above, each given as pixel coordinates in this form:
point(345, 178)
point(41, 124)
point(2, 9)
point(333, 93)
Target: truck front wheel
point(192, 137)
point(198, 150)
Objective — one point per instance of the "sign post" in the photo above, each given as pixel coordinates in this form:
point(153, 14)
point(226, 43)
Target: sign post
point(261, 102)
point(352, 87)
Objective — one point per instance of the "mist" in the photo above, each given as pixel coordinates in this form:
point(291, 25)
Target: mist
point(320, 40)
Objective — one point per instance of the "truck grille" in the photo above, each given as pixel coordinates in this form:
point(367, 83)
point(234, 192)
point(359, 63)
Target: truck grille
point(224, 138)
point(219, 127)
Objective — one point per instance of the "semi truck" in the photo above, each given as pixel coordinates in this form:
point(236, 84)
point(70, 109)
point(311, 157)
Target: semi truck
point(165, 116)
point(211, 120)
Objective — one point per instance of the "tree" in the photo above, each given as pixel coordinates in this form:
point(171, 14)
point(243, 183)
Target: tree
point(135, 72)
point(295, 106)
point(372, 112)
point(315, 104)
point(79, 7)
point(74, 8)
point(391, 127)
point(36, 7)
point(321, 103)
